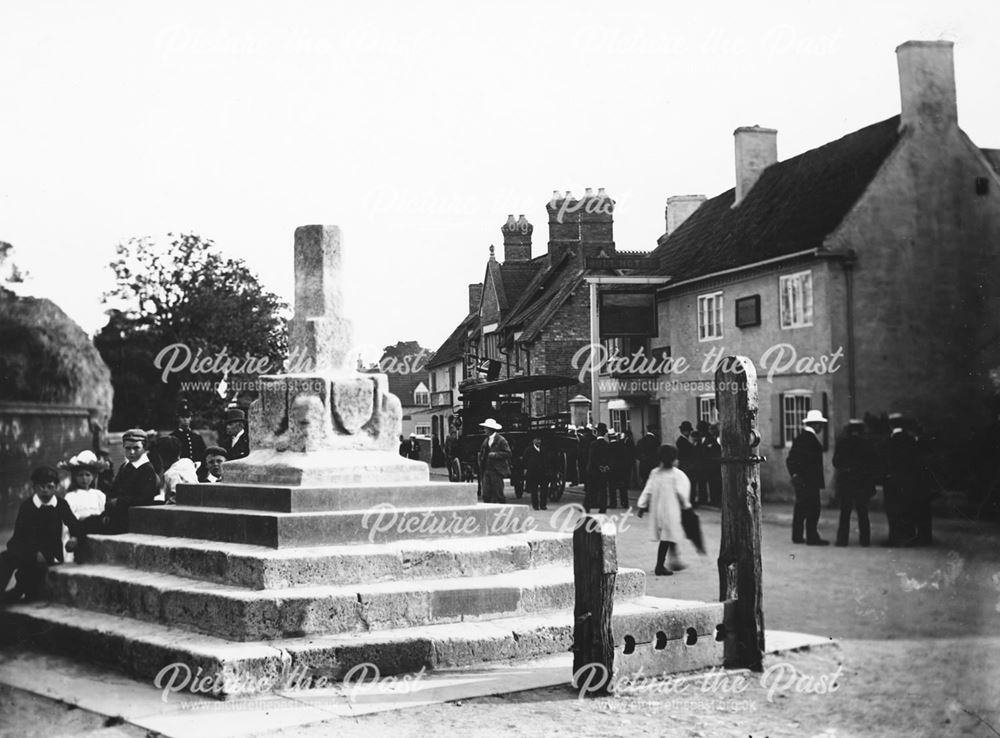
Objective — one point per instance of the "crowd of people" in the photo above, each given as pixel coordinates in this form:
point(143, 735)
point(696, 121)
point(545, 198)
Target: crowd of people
point(862, 461)
point(674, 479)
point(50, 528)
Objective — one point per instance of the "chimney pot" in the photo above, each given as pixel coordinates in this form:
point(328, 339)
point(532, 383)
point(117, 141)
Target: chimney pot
point(589, 192)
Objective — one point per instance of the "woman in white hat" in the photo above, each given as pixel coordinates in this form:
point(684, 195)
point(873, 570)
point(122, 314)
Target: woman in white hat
point(494, 462)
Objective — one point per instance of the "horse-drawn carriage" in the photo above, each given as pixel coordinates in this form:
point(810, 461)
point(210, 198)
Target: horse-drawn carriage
point(509, 401)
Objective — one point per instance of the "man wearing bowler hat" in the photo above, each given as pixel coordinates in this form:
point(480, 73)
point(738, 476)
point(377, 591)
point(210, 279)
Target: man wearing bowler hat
point(805, 465)
point(494, 462)
point(236, 443)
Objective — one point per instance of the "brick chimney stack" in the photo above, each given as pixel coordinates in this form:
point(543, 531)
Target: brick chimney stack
point(927, 85)
point(475, 297)
point(516, 239)
point(680, 208)
point(597, 216)
point(756, 150)
point(564, 224)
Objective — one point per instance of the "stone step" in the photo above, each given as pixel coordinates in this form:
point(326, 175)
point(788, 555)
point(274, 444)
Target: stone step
point(240, 614)
point(378, 524)
point(259, 567)
point(278, 498)
point(146, 650)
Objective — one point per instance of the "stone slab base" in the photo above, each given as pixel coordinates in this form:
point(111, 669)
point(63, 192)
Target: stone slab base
point(272, 498)
point(329, 468)
point(379, 524)
point(240, 614)
point(145, 649)
point(258, 567)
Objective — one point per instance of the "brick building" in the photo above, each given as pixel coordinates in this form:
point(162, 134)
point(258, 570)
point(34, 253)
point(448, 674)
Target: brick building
point(861, 277)
point(534, 315)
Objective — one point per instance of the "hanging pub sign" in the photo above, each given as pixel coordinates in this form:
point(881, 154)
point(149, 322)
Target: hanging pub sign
point(489, 368)
point(628, 314)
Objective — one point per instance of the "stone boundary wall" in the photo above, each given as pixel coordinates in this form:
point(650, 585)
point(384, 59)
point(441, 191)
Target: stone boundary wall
point(32, 434)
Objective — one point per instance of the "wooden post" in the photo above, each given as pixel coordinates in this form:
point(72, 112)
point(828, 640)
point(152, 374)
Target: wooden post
point(739, 555)
point(595, 568)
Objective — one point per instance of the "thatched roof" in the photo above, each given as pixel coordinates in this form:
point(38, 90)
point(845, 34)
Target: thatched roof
point(46, 357)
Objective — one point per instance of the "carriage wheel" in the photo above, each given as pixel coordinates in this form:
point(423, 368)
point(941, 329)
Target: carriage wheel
point(558, 484)
point(455, 470)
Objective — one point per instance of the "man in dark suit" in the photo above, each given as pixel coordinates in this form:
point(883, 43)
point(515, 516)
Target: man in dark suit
point(685, 448)
point(192, 444)
point(647, 450)
point(236, 443)
point(135, 484)
point(805, 465)
point(854, 460)
point(712, 451)
point(621, 471)
point(599, 468)
point(494, 462)
point(536, 474)
point(585, 437)
point(902, 464)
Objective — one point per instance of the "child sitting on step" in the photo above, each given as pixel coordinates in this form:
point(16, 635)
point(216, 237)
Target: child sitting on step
point(84, 498)
point(37, 541)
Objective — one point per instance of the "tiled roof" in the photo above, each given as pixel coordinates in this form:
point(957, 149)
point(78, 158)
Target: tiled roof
point(793, 207)
point(453, 348)
point(535, 295)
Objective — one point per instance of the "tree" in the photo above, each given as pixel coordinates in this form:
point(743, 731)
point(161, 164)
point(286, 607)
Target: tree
point(185, 314)
point(9, 271)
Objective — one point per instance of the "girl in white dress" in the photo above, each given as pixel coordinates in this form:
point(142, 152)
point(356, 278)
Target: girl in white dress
point(667, 492)
point(83, 497)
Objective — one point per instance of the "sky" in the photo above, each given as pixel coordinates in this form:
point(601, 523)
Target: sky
point(417, 127)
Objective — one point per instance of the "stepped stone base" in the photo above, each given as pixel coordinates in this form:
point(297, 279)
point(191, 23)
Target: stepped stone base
point(147, 649)
point(239, 614)
point(254, 567)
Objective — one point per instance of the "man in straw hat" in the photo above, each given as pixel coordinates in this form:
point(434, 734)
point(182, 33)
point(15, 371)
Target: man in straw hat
point(135, 484)
point(494, 462)
point(805, 465)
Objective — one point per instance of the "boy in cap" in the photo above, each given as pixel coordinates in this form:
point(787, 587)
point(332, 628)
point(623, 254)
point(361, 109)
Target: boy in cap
point(210, 472)
point(135, 484)
point(37, 542)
